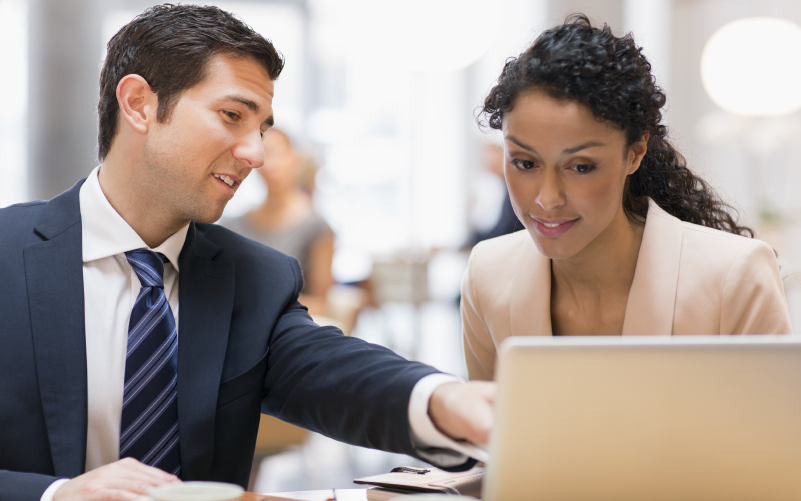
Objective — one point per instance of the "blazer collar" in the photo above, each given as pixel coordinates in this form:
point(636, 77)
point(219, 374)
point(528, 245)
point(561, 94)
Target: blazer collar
point(530, 313)
point(54, 278)
point(652, 297)
point(206, 296)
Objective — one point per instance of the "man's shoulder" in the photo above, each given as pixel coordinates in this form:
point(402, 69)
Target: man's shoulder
point(26, 208)
point(18, 220)
point(255, 263)
point(236, 245)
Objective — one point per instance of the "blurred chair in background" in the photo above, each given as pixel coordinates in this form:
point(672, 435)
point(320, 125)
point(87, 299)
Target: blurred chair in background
point(402, 278)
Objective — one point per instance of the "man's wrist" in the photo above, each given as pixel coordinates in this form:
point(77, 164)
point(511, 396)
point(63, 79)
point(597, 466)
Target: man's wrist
point(424, 432)
point(48, 494)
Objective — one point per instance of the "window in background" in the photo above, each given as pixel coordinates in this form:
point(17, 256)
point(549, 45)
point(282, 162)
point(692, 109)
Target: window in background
point(14, 89)
point(392, 122)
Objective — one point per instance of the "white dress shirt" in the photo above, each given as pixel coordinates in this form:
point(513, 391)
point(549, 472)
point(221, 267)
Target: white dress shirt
point(110, 288)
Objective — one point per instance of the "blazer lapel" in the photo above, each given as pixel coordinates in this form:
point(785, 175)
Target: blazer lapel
point(530, 304)
point(206, 299)
point(652, 298)
point(54, 276)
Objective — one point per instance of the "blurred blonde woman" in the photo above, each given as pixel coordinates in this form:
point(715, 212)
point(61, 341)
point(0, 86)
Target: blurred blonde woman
point(286, 220)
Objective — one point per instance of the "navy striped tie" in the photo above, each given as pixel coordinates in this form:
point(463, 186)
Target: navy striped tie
point(149, 428)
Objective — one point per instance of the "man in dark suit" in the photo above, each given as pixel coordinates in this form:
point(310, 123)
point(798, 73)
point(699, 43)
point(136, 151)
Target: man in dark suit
point(138, 341)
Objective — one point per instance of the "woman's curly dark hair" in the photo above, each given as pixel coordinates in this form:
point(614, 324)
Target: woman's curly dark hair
point(612, 77)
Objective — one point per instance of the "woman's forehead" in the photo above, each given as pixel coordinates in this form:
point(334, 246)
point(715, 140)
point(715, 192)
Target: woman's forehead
point(540, 117)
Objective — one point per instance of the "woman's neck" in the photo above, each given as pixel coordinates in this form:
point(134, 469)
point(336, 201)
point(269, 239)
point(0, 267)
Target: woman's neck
point(606, 265)
point(278, 198)
point(283, 207)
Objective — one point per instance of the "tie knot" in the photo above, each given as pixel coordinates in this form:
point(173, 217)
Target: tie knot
point(148, 265)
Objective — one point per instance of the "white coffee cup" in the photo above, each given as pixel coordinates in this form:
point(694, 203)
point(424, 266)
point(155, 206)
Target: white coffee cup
point(197, 491)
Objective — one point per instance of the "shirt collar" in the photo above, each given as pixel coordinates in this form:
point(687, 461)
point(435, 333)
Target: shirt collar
point(105, 233)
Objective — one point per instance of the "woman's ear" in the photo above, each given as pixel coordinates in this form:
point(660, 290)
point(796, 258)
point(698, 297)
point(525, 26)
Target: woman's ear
point(138, 103)
point(636, 153)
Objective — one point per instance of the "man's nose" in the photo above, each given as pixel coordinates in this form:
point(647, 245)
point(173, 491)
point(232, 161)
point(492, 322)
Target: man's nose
point(250, 150)
point(551, 195)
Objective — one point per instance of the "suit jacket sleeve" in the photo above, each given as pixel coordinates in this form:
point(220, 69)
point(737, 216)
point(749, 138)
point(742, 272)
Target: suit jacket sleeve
point(753, 297)
point(19, 486)
point(479, 349)
point(338, 386)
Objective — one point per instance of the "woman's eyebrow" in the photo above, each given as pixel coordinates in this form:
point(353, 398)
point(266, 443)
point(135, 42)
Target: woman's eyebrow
point(517, 142)
point(566, 151)
point(583, 146)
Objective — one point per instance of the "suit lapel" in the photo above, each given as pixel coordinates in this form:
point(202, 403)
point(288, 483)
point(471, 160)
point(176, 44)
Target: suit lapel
point(652, 298)
point(54, 277)
point(530, 304)
point(206, 299)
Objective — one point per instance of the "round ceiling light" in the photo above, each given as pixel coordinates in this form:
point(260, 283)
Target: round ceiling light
point(752, 67)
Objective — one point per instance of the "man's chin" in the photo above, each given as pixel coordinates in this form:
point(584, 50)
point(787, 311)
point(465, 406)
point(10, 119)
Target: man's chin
point(209, 215)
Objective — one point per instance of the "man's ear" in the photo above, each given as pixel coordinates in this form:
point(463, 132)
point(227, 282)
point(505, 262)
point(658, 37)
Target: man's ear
point(138, 103)
point(637, 152)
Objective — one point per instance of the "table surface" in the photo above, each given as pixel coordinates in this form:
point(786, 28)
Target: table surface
point(342, 495)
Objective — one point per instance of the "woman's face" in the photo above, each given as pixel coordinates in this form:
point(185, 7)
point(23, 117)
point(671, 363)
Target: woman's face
point(280, 159)
point(565, 171)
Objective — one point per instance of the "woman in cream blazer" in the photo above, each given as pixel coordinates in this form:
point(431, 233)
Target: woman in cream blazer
point(689, 279)
point(621, 238)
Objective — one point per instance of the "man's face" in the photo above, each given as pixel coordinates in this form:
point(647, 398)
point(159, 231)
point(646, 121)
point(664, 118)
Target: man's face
point(195, 161)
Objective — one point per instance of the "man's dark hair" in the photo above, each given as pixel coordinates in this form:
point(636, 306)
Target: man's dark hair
point(169, 46)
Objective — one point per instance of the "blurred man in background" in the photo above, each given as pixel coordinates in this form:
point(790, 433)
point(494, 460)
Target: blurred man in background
point(492, 216)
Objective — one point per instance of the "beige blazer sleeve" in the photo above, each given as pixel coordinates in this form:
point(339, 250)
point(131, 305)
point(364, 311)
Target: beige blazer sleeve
point(753, 297)
point(479, 348)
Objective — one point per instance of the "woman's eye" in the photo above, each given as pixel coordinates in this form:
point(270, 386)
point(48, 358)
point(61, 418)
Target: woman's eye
point(523, 164)
point(582, 168)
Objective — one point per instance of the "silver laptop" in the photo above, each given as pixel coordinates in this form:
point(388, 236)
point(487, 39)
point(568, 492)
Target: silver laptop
point(647, 418)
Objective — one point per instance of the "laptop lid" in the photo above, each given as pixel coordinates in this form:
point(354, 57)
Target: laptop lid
point(686, 417)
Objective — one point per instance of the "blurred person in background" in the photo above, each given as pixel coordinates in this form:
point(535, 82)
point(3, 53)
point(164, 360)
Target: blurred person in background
point(286, 219)
point(504, 221)
point(622, 238)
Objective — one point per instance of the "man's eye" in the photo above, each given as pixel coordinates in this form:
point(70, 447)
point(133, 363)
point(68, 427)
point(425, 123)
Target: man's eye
point(583, 168)
point(523, 164)
point(233, 116)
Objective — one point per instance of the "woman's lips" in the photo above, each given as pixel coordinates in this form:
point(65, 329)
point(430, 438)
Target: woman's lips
point(552, 228)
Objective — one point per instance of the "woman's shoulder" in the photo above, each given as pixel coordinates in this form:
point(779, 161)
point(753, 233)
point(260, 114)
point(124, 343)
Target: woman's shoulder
point(716, 244)
point(502, 258)
point(728, 283)
point(703, 245)
point(509, 245)
point(725, 264)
